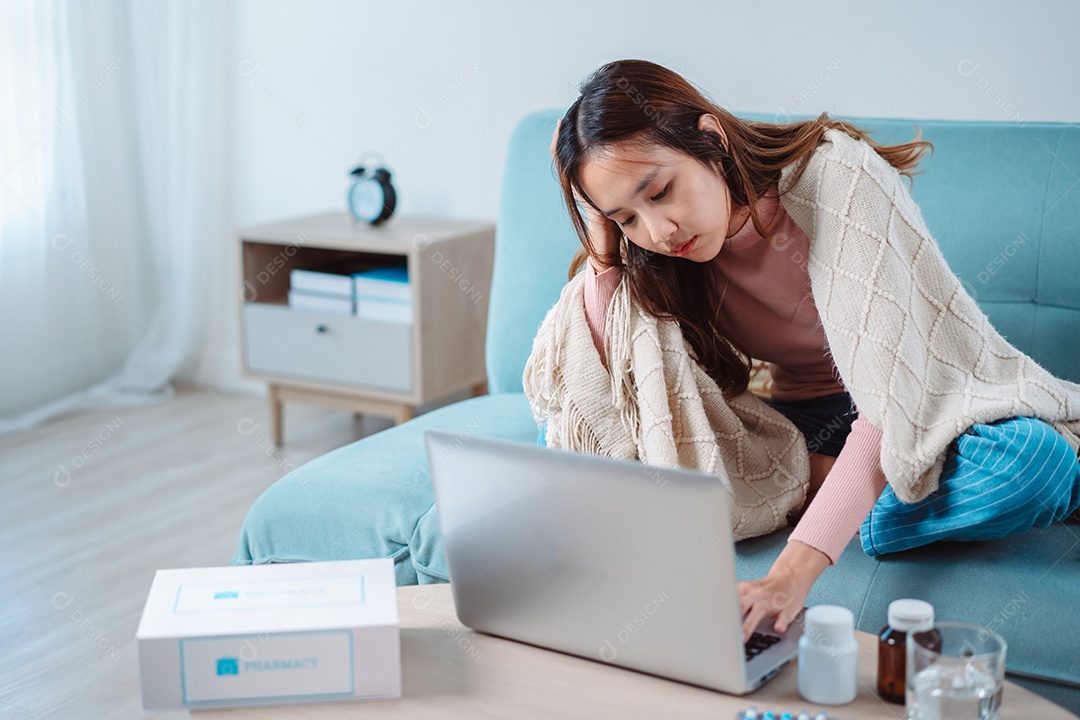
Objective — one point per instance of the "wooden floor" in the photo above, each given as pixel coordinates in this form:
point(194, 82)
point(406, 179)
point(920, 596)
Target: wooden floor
point(93, 503)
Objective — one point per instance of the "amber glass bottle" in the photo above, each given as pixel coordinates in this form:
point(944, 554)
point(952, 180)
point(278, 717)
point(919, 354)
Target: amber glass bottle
point(905, 616)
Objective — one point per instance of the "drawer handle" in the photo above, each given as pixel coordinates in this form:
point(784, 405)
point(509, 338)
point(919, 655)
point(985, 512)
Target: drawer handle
point(321, 329)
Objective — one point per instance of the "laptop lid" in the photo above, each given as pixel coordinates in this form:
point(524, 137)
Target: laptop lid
point(611, 560)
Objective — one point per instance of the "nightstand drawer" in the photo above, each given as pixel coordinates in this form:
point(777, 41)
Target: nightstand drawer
point(328, 347)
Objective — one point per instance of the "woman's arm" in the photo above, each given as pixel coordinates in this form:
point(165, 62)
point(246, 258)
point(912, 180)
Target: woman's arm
point(834, 515)
point(846, 497)
point(599, 287)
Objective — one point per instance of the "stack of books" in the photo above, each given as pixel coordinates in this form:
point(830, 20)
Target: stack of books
point(378, 293)
point(321, 291)
point(383, 294)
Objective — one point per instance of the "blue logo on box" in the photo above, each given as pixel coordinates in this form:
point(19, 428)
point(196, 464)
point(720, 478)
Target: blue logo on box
point(228, 666)
point(226, 595)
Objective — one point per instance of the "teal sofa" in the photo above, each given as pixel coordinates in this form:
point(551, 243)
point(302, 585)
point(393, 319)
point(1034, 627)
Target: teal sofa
point(1004, 203)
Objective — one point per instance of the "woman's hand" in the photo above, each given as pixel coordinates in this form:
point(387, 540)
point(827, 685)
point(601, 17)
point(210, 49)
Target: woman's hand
point(782, 593)
point(603, 233)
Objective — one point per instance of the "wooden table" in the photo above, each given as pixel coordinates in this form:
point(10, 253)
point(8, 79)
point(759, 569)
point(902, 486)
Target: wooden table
point(451, 671)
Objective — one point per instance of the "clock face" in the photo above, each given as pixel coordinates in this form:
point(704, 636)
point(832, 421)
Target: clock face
point(366, 199)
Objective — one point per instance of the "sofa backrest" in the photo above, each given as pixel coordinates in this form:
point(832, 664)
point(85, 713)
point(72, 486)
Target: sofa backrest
point(1001, 198)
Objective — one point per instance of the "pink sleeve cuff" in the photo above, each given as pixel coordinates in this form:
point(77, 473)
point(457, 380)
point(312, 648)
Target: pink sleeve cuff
point(847, 495)
point(599, 287)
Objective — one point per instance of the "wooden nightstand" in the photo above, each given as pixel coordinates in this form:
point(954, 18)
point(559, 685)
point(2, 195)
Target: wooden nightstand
point(368, 366)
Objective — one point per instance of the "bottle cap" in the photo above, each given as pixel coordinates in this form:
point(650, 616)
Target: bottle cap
point(908, 615)
point(832, 622)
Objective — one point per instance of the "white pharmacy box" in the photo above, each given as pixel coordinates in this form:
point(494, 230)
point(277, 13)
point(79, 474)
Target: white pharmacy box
point(261, 634)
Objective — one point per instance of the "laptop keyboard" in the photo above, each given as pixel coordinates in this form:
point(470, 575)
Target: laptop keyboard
point(759, 642)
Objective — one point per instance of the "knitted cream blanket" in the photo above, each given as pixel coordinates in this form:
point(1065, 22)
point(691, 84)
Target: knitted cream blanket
point(659, 407)
point(920, 359)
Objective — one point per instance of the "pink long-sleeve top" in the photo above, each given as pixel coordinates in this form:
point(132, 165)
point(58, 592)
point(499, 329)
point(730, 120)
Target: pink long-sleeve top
point(768, 308)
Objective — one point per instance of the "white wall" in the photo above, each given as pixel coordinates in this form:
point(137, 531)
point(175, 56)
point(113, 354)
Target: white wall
point(315, 84)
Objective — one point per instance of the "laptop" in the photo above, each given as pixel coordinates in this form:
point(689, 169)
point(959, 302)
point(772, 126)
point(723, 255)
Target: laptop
point(611, 560)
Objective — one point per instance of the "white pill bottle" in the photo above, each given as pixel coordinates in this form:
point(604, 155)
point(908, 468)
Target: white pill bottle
point(828, 656)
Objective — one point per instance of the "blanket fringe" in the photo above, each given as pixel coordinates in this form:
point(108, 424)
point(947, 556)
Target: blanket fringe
point(654, 404)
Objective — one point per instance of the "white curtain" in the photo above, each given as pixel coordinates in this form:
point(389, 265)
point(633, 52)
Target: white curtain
point(112, 199)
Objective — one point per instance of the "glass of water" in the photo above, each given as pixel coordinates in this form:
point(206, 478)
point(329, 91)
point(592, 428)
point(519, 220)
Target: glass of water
point(955, 670)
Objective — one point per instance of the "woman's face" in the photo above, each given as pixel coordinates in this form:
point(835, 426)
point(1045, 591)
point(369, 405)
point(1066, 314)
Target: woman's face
point(663, 200)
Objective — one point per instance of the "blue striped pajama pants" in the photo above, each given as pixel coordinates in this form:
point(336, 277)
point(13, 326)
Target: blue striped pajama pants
point(999, 478)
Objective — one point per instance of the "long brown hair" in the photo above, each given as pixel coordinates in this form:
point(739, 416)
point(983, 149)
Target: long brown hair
point(644, 103)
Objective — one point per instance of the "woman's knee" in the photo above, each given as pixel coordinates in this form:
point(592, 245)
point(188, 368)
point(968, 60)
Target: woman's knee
point(1033, 464)
point(1003, 477)
point(1006, 446)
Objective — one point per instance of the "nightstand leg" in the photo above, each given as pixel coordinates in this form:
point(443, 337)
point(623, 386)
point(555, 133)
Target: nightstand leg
point(276, 415)
point(403, 414)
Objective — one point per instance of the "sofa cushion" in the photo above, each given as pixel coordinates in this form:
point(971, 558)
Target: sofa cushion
point(373, 498)
point(534, 242)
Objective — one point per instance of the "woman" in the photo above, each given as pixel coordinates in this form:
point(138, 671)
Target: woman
point(682, 202)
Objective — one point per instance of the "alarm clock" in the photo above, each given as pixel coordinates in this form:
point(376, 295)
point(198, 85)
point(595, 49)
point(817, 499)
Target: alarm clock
point(371, 197)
